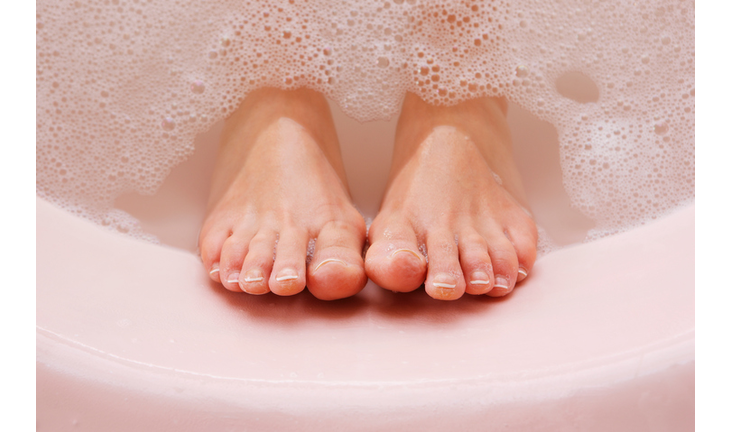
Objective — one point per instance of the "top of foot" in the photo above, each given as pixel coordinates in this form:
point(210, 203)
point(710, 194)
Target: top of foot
point(454, 217)
point(279, 187)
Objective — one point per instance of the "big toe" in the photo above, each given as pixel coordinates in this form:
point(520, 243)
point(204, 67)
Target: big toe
point(393, 261)
point(336, 270)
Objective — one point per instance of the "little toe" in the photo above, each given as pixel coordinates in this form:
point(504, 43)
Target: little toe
point(289, 274)
point(524, 241)
point(445, 280)
point(504, 263)
point(254, 277)
point(336, 270)
point(475, 263)
point(232, 256)
point(393, 260)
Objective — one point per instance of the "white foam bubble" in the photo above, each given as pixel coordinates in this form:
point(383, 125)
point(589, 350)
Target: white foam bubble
point(123, 86)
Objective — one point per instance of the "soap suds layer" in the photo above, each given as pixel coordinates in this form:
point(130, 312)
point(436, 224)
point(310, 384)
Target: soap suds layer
point(123, 87)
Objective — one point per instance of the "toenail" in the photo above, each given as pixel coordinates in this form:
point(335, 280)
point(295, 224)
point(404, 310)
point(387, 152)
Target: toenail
point(444, 281)
point(214, 269)
point(501, 282)
point(407, 250)
point(479, 278)
point(254, 275)
point(328, 260)
point(233, 278)
point(522, 272)
point(287, 275)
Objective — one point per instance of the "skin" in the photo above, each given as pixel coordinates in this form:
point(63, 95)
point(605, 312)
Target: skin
point(279, 183)
point(443, 198)
point(279, 175)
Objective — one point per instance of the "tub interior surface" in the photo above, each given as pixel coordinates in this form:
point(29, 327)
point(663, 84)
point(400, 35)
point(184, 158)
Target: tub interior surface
point(156, 305)
point(600, 337)
point(132, 321)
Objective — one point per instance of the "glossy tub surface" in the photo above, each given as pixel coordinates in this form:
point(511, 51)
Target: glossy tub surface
point(133, 336)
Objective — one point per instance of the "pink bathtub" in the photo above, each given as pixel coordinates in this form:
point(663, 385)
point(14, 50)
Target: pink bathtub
point(133, 336)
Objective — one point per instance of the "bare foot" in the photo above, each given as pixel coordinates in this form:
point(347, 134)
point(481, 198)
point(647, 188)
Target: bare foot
point(455, 212)
point(279, 183)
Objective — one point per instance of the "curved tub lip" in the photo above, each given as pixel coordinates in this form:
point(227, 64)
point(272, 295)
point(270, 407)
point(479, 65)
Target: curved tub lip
point(192, 349)
point(69, 357)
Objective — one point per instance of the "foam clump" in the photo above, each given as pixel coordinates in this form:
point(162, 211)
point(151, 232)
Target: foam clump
point(123, 86)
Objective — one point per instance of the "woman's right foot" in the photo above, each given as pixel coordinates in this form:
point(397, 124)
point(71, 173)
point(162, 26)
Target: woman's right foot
point(279, 185)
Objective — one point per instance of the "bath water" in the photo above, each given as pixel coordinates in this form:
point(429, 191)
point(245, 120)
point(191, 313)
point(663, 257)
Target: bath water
point(123, 86)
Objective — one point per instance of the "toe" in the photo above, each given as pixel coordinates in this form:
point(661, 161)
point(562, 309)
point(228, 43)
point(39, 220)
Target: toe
point(524, 241)
point(445, 280)
point(211, 245)
point(232, 255)
point(475, 262)
point(289, 275)
point(254, 277)
point(336, 270)
point(504, 262)
point(393, 260)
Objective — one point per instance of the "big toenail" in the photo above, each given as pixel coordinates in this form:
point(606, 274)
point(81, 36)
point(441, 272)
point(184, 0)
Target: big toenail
point(254, 275)
point(406, 250)
point(502, 282)
point(444, 281)
point(287, 275)
point(522, 273)
point(479, 278)
point(329, 260)
point(233, 278)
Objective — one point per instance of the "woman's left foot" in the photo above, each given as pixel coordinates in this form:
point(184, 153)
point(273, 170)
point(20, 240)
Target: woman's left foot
point(455, 212)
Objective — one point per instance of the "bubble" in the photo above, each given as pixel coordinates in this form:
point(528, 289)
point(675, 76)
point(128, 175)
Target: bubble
point(578, 87)
point(445, 51)
point(661, 127)
point(197, 86)
point(168, 123)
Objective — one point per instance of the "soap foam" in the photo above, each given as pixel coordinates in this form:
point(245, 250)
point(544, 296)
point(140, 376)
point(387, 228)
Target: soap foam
point(123, 86)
